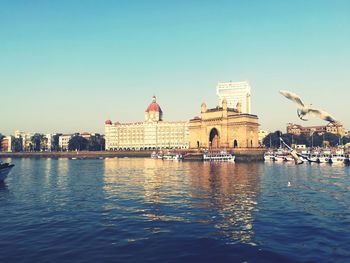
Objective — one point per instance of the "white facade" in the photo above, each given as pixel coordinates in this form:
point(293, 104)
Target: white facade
point(49, 138)
point(153, 133)
point(235, 92)
point(6, 144)
point(26, 139)
point(146, 135)
point(63, 141)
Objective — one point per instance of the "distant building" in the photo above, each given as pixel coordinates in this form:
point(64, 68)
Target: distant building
point(26, 139)
point(48, 142)
point(223, 127)
point(6, 144)
point(335, 129)
point(63, 141)
point(296, 129)
point(152, 133)
point(234, 93)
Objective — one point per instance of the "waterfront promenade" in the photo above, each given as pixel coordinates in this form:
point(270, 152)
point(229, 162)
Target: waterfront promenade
point(242, 154)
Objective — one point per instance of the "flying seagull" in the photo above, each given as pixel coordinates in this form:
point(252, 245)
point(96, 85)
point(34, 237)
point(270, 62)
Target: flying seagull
point(304, 109)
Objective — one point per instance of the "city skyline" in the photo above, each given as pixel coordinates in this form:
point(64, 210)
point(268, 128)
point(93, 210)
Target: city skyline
point(68, 66)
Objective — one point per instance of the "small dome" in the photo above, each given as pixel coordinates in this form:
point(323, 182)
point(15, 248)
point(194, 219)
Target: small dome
point(154, 106)
point(108, 122)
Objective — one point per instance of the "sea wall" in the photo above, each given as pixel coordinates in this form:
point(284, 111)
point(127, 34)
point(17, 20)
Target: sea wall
point(242, 154)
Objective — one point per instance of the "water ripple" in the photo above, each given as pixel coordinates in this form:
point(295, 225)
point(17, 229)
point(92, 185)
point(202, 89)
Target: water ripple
point(143, 210)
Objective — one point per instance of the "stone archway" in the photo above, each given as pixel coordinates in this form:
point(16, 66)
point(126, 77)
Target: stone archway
point(235, 144)
point(214, 138)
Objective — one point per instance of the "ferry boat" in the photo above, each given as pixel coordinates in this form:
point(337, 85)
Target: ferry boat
point(347, 158)
point(289, 158)
point(280, 156)
point(314, 157)
point(338, 157)
point(219, 156)
point(325, 157)
point(5, 169)
point(172, 156)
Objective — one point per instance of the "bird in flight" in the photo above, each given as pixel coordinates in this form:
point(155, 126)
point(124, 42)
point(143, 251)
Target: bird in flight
point(304, 110)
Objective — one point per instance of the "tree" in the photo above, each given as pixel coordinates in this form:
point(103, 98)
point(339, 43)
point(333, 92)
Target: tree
point(37, 142)
point(332, 139)
point(346, 140)
point(55, 142)
point(272, 140)
point(16, 145)
point(316, 140)
point(96, 143)
point(77, 143)
point(1, 137)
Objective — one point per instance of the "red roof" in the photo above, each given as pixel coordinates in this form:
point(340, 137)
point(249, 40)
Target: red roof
point(108, 122)
point(154, 106)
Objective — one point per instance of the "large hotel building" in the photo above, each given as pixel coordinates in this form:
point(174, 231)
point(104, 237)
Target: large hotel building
point(153, 133)
point(235, 92)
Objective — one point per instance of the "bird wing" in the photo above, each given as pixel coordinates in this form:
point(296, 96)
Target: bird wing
point(322, 115)
point(293, 97)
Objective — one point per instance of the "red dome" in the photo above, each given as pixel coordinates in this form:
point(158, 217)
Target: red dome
point(108, 122)
point(154, 106)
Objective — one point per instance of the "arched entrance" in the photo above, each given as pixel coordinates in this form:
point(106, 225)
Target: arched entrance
point(235, 144)
point(214, 138)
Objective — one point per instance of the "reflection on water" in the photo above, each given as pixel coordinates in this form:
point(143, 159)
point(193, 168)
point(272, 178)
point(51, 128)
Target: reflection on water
point(232, 191)
point(219, 194)
point(136, 210)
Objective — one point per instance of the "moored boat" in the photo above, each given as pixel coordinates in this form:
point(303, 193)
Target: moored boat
point(218, 156)
point(325, 157)
point(314, 157)
point(5, 169)
point(269, 156)
point(289, 158)
point(338, 157)
point(172, 156)
point(279, 156)
point(347, 158)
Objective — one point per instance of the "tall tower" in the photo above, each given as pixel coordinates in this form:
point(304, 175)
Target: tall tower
point(153, 112)
point(235, 92)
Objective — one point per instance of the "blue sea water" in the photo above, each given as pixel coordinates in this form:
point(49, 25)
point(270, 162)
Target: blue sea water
point(145, 210)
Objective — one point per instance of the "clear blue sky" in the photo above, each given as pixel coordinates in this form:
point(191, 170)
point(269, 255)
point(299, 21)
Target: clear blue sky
point(66, 66)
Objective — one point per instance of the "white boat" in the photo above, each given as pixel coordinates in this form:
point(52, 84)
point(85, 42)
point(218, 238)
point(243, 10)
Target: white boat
point(172, 157)
point(289, 158)
point(219, 156)
point(5, 169)
point(338, 157)
point(347, 158)
point(314, 157)
point(269, 156)
point(279, 157)
point(324, 157)
point(154, 155)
